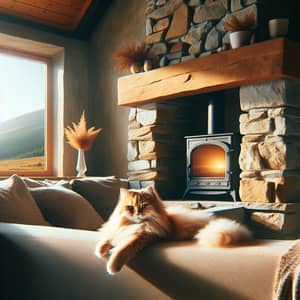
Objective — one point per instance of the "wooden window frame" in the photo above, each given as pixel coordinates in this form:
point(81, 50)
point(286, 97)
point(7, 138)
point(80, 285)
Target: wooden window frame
point(48, 171)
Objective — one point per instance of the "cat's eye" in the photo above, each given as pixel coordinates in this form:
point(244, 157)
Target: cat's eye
point(144, 206)
point(130, 208)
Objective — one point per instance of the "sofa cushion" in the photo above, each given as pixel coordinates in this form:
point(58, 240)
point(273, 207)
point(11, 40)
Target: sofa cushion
point(32, 183)
point(101, 192)
point(65, 208)
point(17, 204)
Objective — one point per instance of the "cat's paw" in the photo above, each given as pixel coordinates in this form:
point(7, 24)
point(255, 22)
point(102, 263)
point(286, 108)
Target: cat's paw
point(112, 268)
point(102, 249)
point(115, 262)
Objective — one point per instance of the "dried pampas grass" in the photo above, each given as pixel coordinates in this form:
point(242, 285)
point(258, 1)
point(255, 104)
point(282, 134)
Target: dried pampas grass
point(237, 24)
point(129, 55)
point(79, 137)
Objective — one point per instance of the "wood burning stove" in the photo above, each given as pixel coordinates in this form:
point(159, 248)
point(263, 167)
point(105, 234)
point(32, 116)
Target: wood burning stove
point(212, 163)
point(212, 166)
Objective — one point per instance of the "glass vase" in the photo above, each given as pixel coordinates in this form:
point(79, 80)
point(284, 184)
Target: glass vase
point(81, 167)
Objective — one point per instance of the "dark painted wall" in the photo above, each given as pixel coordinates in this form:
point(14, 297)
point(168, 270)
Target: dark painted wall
point(123, 22)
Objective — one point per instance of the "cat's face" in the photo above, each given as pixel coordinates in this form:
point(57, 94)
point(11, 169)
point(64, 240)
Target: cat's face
point(138, 206)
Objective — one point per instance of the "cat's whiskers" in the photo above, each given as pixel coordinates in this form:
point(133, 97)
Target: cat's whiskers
point(138, 218)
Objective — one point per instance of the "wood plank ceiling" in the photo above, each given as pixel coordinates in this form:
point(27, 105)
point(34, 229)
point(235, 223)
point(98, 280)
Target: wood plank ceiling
point(68, 17)
point(64, 15)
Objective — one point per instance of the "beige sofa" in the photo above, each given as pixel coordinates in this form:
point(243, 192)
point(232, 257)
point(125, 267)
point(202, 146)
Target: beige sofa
point(54, 262)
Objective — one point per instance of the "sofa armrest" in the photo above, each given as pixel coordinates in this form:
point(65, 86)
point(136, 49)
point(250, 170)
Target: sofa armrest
point(40, 262)
point(244, 272)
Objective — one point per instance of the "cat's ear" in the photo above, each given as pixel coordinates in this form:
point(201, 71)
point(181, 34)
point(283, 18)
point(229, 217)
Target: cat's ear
point(123, 192)
point(149, 189)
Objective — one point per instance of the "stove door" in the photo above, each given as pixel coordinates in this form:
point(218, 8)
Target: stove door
point(208, 160)
point(208, 165)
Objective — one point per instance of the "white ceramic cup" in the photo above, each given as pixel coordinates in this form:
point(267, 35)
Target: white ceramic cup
point(239, 38)
point(278, 27)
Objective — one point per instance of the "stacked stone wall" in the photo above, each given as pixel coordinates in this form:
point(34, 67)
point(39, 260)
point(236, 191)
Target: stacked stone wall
point(178, 30)
point(156, 148)
point(270, 149)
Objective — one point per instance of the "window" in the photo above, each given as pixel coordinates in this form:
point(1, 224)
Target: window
point(24, 114)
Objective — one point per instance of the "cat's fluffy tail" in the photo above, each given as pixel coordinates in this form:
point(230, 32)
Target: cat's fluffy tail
point(223, 232)
point(185, 222)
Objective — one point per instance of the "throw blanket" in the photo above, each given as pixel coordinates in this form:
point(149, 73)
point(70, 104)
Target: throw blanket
point(287, 280)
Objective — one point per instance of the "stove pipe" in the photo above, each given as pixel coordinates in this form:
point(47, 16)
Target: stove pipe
point(210, 117)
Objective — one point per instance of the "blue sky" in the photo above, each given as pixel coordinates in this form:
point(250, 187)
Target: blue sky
point(22, 86)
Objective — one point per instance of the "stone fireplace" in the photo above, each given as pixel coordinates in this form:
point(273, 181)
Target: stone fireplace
point(260, 86)
point(270, 149)
point(261, 99)
point(265, 113)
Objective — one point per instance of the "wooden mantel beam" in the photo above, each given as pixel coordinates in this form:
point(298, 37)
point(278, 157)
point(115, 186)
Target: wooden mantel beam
point(273, 59)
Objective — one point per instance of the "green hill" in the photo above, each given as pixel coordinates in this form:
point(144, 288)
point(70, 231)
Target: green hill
point(22, 136)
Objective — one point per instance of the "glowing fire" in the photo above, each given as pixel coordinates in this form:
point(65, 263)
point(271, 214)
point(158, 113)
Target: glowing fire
point(208, 161)
point(219, 165)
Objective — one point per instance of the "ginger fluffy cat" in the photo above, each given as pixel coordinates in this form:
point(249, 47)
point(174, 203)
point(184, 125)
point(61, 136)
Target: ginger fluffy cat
point(140, 218)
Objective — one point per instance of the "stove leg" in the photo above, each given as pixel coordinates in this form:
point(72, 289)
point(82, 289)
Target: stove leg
point(234, 195)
